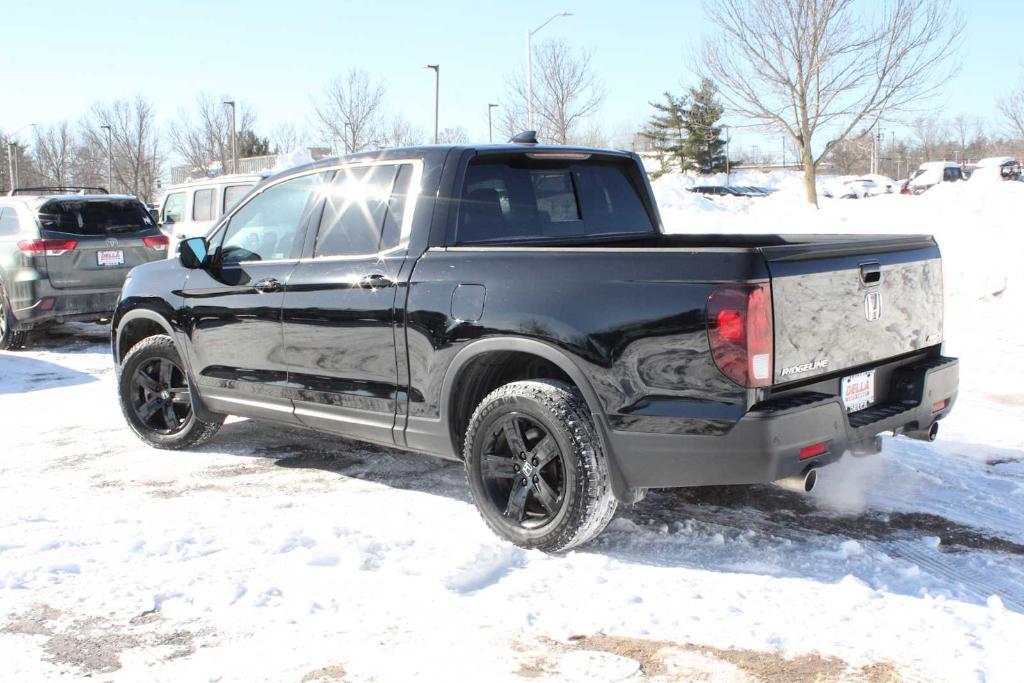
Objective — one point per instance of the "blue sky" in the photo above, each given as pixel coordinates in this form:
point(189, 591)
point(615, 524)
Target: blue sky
point(58, 57)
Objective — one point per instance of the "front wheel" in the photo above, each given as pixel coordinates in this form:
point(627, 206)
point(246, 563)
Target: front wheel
point(536, 468)
point(156, 398)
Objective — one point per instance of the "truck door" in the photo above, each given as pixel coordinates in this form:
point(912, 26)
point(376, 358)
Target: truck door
point(339, 316)
point(232, 310)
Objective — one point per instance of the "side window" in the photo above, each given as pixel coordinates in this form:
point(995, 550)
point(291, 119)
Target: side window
point(356, 211)
point(518, 199)
point(8, 222)
point(271, 225)
point(392, 234)
point(611, 202)
point(232, 193)
point(202, 205)
point(174, 208)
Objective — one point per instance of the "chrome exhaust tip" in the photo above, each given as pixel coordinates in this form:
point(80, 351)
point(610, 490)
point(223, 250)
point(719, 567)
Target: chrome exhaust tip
point(929, 434)
point(801, 483)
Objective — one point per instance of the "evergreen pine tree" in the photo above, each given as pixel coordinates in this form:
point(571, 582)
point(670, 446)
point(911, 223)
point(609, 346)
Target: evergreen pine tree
point(704, 147)
point(666, 130)
point(251, 145)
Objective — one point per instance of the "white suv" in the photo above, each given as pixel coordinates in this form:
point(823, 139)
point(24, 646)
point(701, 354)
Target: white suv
point(190, 209)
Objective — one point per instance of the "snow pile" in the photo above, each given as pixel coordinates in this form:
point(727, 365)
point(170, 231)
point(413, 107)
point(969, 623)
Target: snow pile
point(289, 160)
point(977, 224)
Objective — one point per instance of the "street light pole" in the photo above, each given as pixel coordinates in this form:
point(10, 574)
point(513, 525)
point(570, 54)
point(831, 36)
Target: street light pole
point(110, 160)
point(436, 68)
point(490, 128)
point(234, 137)
point(529, 66)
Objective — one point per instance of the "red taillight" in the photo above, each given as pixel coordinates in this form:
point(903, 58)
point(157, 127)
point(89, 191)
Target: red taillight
point(51, 247)
point(740, 332)
point(940, 405)
point(812, 451)
point(157, 242)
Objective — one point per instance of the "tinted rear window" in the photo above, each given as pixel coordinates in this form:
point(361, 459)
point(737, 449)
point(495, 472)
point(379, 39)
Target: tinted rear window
point(519, 198)
point(94, 216)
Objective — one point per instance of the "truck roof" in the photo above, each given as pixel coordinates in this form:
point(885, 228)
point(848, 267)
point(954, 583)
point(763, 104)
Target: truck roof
point(439, 152)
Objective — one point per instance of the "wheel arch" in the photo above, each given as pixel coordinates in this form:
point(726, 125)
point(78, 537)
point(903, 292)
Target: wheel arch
point(472, 352)
point(133, 327)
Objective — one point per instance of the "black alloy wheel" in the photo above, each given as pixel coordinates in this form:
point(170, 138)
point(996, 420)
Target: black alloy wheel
point(524, 471)
point(160, 396)
point(536, 467)
point(157, 400)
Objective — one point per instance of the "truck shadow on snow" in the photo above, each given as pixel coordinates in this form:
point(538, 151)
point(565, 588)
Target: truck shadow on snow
point(745, 529)
point(21, 374)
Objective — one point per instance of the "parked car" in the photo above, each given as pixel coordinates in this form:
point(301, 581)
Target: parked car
point(520, 308)
point(727, 191)
point(1005, 168)
point(64, 254)
point(190, 209)
point(932, 173)
point(860, 188)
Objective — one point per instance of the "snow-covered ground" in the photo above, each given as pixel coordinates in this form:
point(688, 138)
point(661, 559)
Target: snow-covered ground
point(278, 554)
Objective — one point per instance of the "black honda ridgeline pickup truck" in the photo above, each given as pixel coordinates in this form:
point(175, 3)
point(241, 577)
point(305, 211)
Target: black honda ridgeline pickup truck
point(519, 307)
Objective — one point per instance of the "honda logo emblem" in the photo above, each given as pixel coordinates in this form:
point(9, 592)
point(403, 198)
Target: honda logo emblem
point(873, 305)
point(111, 242)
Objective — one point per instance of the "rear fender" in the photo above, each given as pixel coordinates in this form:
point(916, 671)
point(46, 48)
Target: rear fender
point(563, 362)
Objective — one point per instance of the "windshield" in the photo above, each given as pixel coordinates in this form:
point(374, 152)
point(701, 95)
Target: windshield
point(94, 216)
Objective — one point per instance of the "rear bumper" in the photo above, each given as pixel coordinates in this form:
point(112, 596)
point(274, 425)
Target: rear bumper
point(765, 444)
point(38, 303)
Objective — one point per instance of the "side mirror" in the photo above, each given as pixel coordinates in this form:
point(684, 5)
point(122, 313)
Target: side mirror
point(193, 252)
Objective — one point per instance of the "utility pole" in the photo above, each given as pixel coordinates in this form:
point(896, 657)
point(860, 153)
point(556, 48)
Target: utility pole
point(110, 160)
point(10, 163)
point(12, 156)
point(490, 128)
point(234, 137)
point(728, 174)
point(436, 68)
point(529, 66)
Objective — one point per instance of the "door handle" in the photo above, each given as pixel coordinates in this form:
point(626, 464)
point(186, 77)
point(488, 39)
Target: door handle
point(871, 273)
point(267, 286)
point(374, 281)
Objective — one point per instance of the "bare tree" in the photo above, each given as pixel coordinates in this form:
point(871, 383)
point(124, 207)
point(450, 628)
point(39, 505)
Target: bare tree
point(1011, 107)
point(931, 134)
point(351, 109)
point(403, 133)
point(55, 148)
point(566, 93)
point(453, 136)
point(828, 67)
point(286, 138)
point(205, 140)
point(136, 146)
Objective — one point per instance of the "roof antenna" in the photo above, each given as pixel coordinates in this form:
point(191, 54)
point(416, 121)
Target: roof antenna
point(527, 137)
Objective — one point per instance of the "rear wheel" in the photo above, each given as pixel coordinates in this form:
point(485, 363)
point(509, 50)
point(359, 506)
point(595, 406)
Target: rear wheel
point(156, 398)
point(11, 339)
point(535, 466)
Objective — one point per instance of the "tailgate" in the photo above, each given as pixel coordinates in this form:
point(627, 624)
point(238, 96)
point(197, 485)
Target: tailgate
point(97, 262)
point(103, 237)
point(844, 302)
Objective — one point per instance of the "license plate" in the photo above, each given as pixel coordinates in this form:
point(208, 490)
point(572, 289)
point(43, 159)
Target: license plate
point(110, 258)
point(858, 391)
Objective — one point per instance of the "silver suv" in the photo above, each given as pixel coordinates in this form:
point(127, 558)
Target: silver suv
point(64, 254)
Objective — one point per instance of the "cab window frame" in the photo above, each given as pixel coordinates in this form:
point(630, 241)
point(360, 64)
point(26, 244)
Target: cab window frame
point(215, 239)
point(407, 204)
